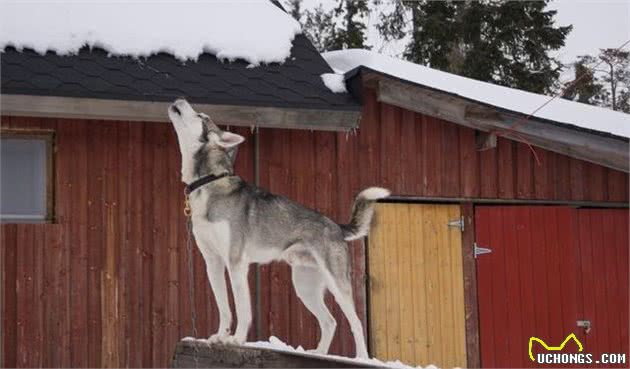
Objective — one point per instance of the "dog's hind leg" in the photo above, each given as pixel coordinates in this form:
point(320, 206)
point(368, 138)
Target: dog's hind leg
point(310, 287)
point(215, 268)
point(339, 284)
point(240, 289)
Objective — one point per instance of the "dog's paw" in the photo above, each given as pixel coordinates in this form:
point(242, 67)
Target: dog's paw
point(237, 340)
point(219, 338)
point(317, 351)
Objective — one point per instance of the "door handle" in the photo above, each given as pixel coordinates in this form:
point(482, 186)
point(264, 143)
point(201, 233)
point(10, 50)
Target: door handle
point(586, 324)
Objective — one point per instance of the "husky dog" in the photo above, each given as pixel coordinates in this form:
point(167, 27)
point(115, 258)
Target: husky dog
point(236, 224)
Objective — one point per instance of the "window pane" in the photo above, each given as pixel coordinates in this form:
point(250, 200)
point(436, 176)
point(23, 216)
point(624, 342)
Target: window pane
point(23, 179)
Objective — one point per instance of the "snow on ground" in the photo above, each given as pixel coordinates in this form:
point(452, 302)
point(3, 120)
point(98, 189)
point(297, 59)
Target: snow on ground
point(334, 82)
point(275, 343)
point(254, 30)
point(559, 110)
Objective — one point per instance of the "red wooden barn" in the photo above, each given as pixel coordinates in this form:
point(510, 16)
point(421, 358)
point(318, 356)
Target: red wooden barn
point(94, 260)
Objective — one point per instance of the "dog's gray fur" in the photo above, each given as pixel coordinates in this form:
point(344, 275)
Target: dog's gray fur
point(235, 224)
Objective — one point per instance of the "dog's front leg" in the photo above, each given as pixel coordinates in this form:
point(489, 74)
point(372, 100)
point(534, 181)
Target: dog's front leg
point(216, 275)
point(240, 288)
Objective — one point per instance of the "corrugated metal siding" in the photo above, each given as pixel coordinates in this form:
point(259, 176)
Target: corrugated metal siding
point(549, 267)
point(416, 285)
point(118, 184)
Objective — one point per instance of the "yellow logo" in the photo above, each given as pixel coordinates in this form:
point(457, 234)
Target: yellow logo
point(553, 348)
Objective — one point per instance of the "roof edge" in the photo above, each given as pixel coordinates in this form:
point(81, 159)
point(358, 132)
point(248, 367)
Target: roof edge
point(606, 150)
point(358, 71)
point(126, 110)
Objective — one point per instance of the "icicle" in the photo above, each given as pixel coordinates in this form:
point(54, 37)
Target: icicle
point(252, 128)
point(347, 133)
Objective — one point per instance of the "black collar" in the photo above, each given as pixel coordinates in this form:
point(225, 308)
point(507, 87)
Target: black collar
point(203, 181)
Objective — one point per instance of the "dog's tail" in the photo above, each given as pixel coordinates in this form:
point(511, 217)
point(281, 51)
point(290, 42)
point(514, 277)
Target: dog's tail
point(362, 212)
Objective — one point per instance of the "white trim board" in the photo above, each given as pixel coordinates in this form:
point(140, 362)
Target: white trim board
point(125, 110)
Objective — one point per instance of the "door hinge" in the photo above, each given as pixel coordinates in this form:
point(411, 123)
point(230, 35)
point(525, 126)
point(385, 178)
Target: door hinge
point(459, 223)
point(481, 250)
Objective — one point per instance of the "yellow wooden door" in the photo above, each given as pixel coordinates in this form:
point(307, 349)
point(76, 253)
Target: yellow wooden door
point(416, 287)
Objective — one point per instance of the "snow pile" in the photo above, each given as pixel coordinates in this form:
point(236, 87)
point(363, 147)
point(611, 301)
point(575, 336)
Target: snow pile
point(254, 30)
point(559, 110)
point(334, 82)
point(275, 343)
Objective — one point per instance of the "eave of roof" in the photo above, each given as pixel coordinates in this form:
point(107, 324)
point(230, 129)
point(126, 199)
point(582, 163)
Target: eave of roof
point(355, 72)
point(293, 86)
point(594, 146)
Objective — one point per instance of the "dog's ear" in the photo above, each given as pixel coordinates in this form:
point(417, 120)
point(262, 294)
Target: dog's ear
point(208, 122)
point(227, 140)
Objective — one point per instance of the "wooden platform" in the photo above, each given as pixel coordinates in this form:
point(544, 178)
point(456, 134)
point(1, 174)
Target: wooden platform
point(228, 356)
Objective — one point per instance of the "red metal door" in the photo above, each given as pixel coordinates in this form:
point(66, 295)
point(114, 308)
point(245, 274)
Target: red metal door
point(551, 266)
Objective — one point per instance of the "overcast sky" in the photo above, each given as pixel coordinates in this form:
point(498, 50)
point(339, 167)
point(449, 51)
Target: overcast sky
point(596, 24)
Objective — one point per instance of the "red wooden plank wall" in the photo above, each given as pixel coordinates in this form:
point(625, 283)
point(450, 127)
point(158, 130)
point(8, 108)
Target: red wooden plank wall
point(413, 155)
point(527, 285)
point(119, 214)
point(549, 268)
point(108, 284)
point(603, 280)
point(417, 155)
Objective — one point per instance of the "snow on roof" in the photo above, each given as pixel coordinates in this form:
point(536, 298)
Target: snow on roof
point(254, 30)
point(334, 82)
point(559, 110)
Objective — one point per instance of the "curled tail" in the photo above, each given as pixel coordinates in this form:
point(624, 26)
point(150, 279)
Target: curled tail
point(362, 212)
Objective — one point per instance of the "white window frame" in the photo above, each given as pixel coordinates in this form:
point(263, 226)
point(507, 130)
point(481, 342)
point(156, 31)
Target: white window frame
point(49, 138)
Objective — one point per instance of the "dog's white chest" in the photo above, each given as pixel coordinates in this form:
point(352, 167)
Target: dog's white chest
point(215, 235)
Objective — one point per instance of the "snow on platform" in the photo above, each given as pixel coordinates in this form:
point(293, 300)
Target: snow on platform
point(272, 353)
point(559, 110)
point(254, 30)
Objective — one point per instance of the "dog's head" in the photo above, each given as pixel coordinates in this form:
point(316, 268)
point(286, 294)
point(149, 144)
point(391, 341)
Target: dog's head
point(202, 143)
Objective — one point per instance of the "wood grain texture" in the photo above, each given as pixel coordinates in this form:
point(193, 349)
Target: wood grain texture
point(8, 234)
point(469, 268)
point(416, 285)
point(199, 354)
point(117, 185)
point(568, 262)
point(602, 294)
point(101, 286)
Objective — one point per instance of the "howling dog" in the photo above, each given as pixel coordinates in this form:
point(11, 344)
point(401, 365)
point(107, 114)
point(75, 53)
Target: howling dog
point(235, 224)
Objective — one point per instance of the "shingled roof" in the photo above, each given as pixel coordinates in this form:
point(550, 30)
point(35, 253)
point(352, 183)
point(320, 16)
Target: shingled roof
point(287, 94)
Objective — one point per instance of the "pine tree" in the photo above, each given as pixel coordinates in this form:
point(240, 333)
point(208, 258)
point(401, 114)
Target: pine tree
point(602, 80)
point(503, 42)
point(319, 26)
point(352, 33)
point(342, 28)
point(586, 86)
point(294, 7)
point(617, 76)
